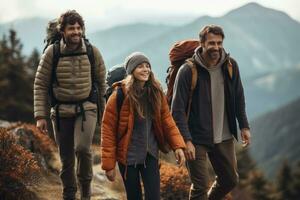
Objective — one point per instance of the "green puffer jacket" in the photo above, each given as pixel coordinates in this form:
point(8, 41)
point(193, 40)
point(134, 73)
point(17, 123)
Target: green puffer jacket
point(74, 78)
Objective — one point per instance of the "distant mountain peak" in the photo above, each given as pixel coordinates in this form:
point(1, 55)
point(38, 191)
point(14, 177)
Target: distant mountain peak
point(254, 9)
point(252, 5)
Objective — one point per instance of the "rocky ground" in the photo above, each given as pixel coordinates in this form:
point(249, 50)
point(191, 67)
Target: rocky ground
point(175, 182)
point(47, 185)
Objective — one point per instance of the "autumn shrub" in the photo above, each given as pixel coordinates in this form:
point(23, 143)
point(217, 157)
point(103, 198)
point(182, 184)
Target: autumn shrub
point(40, 144)
point(18, 167)
point(43, 143)
point(175, 182)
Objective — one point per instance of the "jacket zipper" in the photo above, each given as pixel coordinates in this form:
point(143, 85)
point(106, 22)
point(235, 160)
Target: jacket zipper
point(211, 110)
point(147, 133)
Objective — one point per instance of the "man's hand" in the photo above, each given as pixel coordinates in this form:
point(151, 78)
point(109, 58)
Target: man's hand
point(41, 124)
point(179, 157)
point(246, 137)
point(189, 151)
point(111, 174)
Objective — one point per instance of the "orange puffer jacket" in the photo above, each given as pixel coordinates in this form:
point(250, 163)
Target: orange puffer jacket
point(116, 135)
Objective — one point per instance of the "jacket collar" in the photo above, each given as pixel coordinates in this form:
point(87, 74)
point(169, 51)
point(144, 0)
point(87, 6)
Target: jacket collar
point(199, 60)
point(121, 84)
point(64, 48)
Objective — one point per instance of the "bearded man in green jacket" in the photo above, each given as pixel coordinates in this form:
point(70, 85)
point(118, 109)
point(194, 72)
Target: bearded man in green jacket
point(72, 71)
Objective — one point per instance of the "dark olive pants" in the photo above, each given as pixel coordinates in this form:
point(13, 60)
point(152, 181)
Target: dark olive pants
point(74, 142)
point(223, 159)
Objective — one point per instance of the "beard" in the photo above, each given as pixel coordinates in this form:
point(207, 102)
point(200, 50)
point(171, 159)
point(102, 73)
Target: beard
point(214, 54)
point(73, 39)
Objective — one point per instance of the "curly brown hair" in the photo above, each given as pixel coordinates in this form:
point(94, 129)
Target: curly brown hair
point(70, 17)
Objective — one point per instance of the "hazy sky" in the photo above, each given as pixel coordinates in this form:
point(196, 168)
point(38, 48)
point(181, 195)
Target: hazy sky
point(111, 12)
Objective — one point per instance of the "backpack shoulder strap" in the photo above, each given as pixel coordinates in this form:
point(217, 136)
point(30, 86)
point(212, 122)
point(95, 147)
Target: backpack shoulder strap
point(194, 70)
point(120, 99)
point(229, 67)
point(91, 56)
point(193, 67)
point(55, 59)
point(53, 79)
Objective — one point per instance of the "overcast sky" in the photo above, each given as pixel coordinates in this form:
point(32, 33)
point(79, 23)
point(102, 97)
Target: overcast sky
point(111, 12)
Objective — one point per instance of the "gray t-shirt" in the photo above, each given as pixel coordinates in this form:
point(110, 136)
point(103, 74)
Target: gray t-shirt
point(220, 122)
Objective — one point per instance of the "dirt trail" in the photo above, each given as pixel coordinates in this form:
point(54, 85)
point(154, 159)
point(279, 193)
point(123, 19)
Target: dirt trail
point(50, 188)
point(48, 184)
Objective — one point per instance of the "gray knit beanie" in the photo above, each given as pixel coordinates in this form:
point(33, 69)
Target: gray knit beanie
point(133, 60)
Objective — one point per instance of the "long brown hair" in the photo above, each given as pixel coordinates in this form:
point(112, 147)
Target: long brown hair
point(135, 93)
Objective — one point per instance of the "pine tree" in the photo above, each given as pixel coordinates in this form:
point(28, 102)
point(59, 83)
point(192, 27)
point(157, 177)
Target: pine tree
point(245, 164)
point(285, 181)
point(16, 98)
point(260, 188)
point(33, 62)
point(295, 186)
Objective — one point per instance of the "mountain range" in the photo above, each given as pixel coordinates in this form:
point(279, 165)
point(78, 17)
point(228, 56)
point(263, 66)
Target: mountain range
point(276, 138)
point(271, 90)
point(261, 39)
point(264, 42)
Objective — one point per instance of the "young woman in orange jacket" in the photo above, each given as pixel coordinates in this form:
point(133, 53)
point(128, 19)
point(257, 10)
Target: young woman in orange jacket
point(133, 136)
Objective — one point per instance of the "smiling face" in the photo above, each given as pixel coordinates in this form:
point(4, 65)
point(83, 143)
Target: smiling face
point(73, 34)
point(142, 72)
point(212, 46)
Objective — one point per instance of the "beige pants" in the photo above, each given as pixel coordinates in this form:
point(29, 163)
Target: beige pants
point(73, 141)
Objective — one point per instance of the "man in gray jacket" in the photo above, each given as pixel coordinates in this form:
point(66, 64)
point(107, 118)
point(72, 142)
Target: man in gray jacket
point(72, 71)
point(217, 101)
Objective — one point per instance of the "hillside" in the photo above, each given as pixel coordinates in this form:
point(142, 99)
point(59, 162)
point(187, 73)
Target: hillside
point(261, 40)
point(276, 138)
point(271, 90)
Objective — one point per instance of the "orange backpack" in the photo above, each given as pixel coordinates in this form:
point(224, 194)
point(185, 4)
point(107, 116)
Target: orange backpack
point(180, 53)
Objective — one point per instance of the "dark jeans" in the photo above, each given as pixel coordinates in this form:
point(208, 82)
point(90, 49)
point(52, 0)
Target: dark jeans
point(149, 173)
point(72, 141)
point(223, 159)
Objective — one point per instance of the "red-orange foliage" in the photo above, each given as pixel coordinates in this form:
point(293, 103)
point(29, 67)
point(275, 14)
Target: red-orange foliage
point(175, 182)
point(18, 166)
point(34, 140)
point(43, 142)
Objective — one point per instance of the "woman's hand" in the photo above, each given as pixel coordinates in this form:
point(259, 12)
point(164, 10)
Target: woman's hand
point(180, 158)
point(111, 174)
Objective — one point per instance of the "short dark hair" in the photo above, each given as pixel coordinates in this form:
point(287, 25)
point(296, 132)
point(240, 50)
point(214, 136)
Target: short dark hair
point(214, 29)
point(70, 17)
